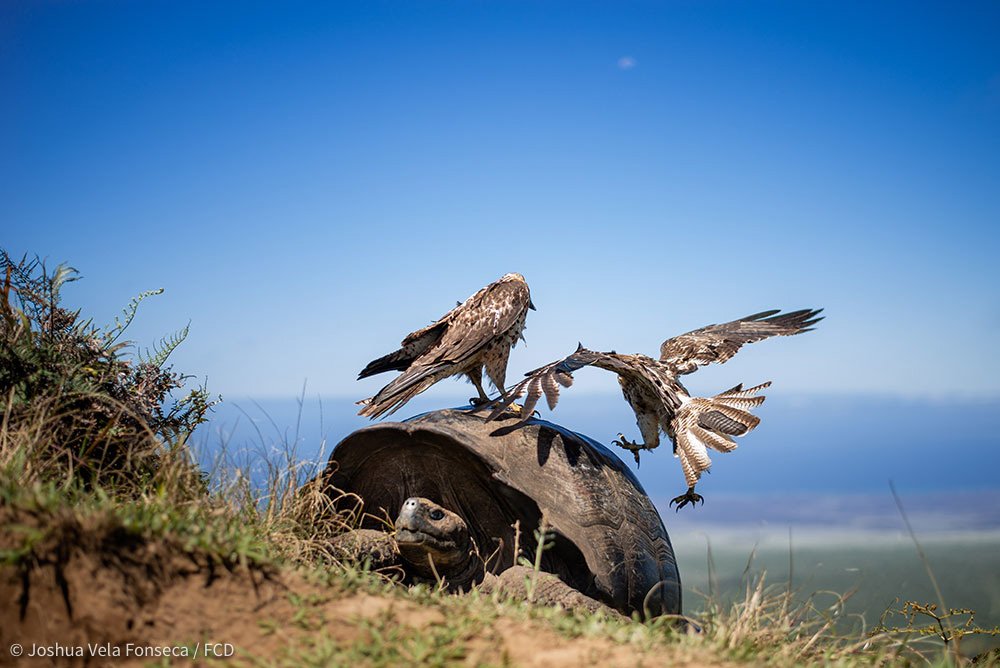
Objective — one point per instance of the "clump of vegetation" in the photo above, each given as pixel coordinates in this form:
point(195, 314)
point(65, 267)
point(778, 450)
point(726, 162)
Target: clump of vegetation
point(915, 619)
point(94, 427)
point(81, 409)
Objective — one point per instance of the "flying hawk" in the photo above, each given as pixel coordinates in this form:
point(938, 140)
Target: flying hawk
point(477, 333)
point(661, 403)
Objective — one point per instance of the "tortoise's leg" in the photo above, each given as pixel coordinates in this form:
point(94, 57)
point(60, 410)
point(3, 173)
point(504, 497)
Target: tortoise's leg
point(375, 550)
point(541, 588)
point(688, 497)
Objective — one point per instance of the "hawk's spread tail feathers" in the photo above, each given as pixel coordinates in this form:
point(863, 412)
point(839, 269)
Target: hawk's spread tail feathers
point(703, 423)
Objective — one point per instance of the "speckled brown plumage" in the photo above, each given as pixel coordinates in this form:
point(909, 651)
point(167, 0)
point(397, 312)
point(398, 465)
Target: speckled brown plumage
point(478, 333)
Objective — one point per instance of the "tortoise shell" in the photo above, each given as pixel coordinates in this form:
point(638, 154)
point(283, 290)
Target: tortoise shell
point(606, 538)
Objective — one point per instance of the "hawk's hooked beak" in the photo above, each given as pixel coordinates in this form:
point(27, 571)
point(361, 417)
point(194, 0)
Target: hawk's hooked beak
point(531, 305)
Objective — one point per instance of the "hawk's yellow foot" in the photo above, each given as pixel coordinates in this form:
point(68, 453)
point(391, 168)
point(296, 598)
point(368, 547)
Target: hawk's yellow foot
point(518, 410)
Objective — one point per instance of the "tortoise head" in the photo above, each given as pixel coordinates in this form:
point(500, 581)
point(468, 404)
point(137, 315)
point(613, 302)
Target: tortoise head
point(427, 534)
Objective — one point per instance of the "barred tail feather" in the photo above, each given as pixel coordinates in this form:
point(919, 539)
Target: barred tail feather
point(723, 419)
point(720, 442)
point(741, 404)
point(695, 451)
point(739, 393)
point(691, 473)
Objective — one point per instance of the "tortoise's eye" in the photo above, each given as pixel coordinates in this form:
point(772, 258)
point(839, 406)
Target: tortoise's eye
point(437, 514)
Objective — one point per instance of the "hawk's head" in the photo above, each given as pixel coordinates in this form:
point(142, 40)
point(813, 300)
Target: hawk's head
point(517, 278)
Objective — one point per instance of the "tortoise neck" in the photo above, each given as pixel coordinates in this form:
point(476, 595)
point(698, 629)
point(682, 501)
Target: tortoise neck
point(471, 573)
point(459, 574)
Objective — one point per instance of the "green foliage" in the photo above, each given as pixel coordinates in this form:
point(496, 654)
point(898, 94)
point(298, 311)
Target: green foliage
point(128, 314)
point(166, 346)
point(94, 415)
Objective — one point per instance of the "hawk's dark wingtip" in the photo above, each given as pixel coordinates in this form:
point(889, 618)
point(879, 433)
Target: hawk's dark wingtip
point(809, 319)
point(394, 361)
point(762, 314)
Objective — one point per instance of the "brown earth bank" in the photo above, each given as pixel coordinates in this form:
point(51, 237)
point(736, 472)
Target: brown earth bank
point(92, 594)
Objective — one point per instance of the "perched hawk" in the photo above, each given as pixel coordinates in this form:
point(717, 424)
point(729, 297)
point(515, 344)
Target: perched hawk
point(477, 333)
point(661, 403)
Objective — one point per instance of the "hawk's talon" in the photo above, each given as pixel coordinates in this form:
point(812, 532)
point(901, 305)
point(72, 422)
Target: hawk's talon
point(688, 497)
point(623, 442)
point(631, 446)
point(516, 409)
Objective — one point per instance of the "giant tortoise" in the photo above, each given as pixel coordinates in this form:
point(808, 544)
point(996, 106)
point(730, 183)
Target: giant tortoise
point(605, 538)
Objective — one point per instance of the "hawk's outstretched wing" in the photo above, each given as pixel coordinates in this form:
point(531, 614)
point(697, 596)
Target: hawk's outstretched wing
point(548, 379)
point(718, 343)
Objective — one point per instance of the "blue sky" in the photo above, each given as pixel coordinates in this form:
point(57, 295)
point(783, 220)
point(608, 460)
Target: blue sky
point(311, 181)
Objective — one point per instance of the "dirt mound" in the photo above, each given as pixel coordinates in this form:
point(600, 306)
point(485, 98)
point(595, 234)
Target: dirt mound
point(91, 584)
point(91, 593)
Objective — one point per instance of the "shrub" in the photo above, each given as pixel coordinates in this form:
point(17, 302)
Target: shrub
point(76, 406)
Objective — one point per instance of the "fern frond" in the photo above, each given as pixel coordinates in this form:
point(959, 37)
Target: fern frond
point(166, 346)
point(63, 274)
point(128, 314)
